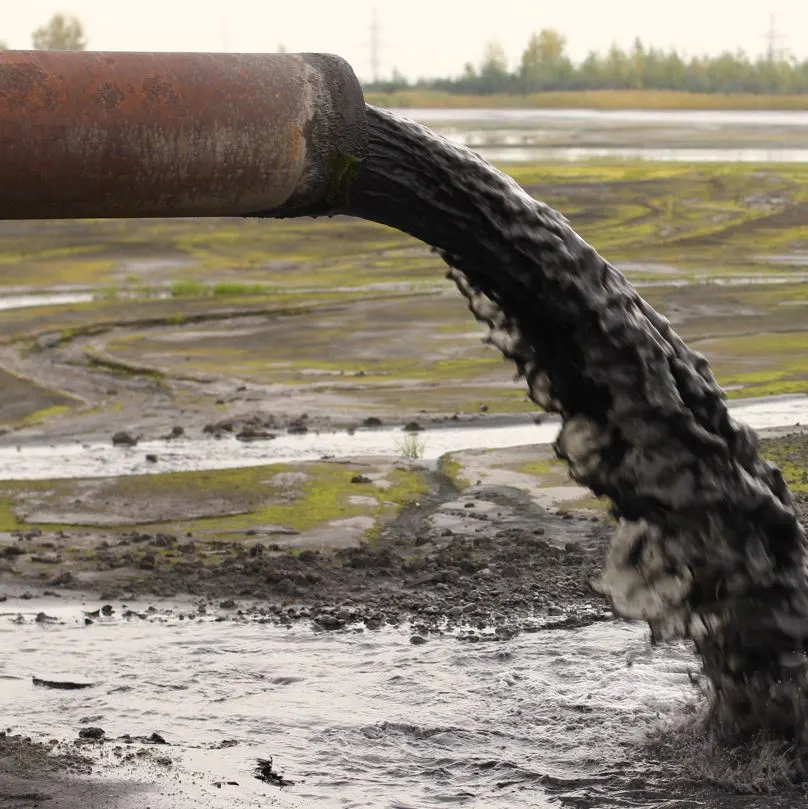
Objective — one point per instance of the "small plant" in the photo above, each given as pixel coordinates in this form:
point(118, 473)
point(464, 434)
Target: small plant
point(411, 446)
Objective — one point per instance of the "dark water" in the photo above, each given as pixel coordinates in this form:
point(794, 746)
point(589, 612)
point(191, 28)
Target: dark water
point(708, 546)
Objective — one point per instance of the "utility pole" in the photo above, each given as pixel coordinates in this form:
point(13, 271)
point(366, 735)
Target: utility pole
point(772, 37)
point(375, 44)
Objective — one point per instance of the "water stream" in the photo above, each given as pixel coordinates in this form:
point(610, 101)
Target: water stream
point(357, 718)
point(38, 461)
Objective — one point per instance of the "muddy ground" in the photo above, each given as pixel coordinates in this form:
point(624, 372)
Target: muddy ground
point(211, 327)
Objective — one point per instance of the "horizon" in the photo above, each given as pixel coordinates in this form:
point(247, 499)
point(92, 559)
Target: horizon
point(408, 44)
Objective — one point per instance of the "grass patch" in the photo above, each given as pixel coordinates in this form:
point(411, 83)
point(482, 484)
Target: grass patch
point(452, 469)
point(790, 454)
point(299, 497)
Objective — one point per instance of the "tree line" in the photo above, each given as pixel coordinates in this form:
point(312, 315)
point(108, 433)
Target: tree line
point(545, 66)
point(61, 33)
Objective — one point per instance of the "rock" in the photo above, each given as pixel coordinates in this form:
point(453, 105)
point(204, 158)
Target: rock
point(228, 604)
point(59, 685)
point(156, 738)
point(328, 621)
point(177, 431)
point(417, 640)
point(92, 733)
point(147, 562)
point(250, 433)
point(42, 618)
point(372, 421)
point(63, 580)
point(412, 427)
point(107, 610)
point(361, 479)
point(124, 439)
point(151, 457)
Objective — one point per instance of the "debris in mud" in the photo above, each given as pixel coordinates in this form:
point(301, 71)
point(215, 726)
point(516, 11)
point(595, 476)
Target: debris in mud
point(124, 439)
point(250, 433)
point(361, 479)
point(412, 427)
point(264, 772)
point(60, 685)
point(92, 733)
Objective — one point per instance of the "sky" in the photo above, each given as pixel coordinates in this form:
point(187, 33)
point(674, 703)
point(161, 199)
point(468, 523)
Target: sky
point(418, 37)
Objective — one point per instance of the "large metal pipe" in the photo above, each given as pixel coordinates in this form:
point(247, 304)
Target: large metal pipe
point(110, 135)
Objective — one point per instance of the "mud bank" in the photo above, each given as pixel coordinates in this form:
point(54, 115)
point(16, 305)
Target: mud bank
point(499, 539)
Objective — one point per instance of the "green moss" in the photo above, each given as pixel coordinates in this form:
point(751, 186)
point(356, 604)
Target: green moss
point(44, 414)
point(8, 520)
point(346, 174)
point(453, 469)
point(257, 492)
point(790, 454)
point(551, 466)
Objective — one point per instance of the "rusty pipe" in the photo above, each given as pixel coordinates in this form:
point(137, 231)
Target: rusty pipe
point(111, 135)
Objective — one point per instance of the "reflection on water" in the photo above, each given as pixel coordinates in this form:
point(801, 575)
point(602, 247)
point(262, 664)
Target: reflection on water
point(37, 462)
point(46, 299)
point(569, 154)
point(521, 117)
point(361, 719)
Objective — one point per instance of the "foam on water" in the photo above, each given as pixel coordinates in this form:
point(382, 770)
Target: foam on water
point(359, 719)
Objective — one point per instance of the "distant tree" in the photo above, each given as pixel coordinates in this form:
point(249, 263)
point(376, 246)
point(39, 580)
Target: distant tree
point(60, 33)
point(544, 64)
point(494, 76)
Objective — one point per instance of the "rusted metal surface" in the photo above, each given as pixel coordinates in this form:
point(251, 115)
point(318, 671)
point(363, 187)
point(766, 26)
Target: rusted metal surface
point(173, 134)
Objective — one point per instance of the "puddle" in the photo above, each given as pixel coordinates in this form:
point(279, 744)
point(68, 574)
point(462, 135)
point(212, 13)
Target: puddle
point(574, 154)
point(49, 299)
point(356, 719)
point(520, 117)
point(38, 462)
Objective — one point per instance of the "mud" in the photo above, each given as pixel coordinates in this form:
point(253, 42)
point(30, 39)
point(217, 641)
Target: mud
point(488, 555)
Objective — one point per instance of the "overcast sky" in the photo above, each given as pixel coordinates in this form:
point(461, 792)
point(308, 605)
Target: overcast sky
point(419, 37)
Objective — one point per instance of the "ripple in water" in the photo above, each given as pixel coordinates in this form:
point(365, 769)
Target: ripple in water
point(366, 719)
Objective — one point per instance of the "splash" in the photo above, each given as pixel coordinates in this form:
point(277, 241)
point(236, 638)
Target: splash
point(707, 546)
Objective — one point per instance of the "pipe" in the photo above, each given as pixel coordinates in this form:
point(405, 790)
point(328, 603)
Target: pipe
point(113, 135)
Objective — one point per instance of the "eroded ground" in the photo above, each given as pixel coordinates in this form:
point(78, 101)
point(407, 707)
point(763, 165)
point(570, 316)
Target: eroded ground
point(197, 320)
point(236, 326)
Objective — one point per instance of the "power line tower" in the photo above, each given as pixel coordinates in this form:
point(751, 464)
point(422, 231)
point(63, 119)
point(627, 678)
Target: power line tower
point(375, 44)
point(773, 53)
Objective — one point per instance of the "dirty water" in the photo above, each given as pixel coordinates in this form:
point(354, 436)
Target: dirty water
point(8, 302)
point(575, 154)
point(40, 461)
point(354, 718)
point(520, 117)
point(572, 135)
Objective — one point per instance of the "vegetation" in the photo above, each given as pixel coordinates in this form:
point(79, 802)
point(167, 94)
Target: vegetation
point(544, 65)
point(426, 98)
point(60, 33)
point(411, 446)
